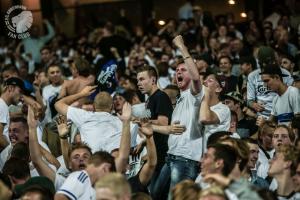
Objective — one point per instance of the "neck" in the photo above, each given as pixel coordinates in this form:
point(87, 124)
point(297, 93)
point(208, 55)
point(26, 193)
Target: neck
point(102, 110)
point(153, 90)
point(240, 114)
point(91, 175)
point(6, 99)
point(227, 74)
point(285, 184)
point(57, 84)
point(282, 89)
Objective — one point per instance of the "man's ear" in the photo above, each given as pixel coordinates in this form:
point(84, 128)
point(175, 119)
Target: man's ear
point(287, 164)
point(106, 167)
point(219, 164)
point(219, 90)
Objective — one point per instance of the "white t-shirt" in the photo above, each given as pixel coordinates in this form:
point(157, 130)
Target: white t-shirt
point(262, 164)
point(49, 93)
point(285, 106)
point(4, 118)
point(186, 111)
point(223, 113)
point(100, 130)
point(78, 186)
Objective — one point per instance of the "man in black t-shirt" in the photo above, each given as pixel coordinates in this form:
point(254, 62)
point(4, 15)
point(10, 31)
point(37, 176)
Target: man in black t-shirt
point(159, 109)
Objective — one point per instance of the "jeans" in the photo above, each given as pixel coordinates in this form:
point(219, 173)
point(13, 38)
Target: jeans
point(176, 169)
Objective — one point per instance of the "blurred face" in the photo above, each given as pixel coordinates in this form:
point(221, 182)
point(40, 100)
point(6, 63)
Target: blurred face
point(182, 77)
point(296, 179)
point(8, 74)
point(208, 162)
point(296, 84)
point(253, 157)
point(54, 75)
point(287, 64)
point(212, 83)
point(127, 85)
point(118, 102)
point(222, 31)
point(16, 95)
point(280, 137)
point(79, 159)
point(277, 164)
point(230, 103)
point(32, 196)
point(45, 55)
point(201, 65)
point(145, 82)
point(266, 138)
point(270, 82)
point(17, 133)
point(245, 68)
point(225, 65)
point(104, 194)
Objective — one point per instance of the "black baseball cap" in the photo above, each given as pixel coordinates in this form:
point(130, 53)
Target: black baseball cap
point(15, 82)
point(272, 70)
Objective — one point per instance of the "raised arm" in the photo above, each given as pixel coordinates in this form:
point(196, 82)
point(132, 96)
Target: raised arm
point(63, 131)
point(148, 169)
point(190, 65)
point(34, 147)
point(206, 115)
point(122, 159)
point(62, 105)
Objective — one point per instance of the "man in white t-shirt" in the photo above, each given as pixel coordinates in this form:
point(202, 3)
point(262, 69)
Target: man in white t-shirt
point(213, 114)
point(79, 185)
point(13, 88)
point(185, 149)
point(51, 91)
point(100, 130)
point(287, 103)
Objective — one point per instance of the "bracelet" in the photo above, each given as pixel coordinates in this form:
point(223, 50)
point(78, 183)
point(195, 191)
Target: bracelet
point(186, 57)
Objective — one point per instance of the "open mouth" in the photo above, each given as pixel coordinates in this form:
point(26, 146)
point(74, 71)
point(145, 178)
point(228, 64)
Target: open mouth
point(179, 79)
point(82, 166)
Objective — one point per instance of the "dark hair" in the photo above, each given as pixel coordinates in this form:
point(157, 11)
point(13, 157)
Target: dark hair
point(21, 151)
point(227, 57)
point(215, 137)
point(227, 154)
point(82, 66)
point(129, 95)
point(45, 194)
point(101, 157)
point(250, 141)
point(79, 145)
point(162, 69)
point(19, 119)
point(151, 71)
point(10, 67)
point(46, 48)
point(17, 168)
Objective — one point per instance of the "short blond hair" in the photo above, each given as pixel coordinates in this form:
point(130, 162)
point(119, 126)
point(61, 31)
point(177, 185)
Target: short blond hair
point(185, 190)
point(116, 183)
point(290, 153)
point(103, 101)
point(214, 191)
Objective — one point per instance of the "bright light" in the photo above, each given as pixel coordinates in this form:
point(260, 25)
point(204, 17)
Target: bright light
point(231, 2)
point(243, 15)
point(161, 22)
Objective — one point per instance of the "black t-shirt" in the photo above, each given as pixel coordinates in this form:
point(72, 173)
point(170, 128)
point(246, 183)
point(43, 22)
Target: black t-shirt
point(136, 185)
point(159, 103)
point(246, 127)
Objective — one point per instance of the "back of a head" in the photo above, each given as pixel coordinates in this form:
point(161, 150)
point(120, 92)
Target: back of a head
point(211, 192)
point(116, 183)
point(16, 168)
point(290, 153)
point(101, 157)
point(103, 101)
point(266, 56)
point(226, 153)
point(217, 136)
point(82, 66)
point(140, 196)
point(21, 151)
point(185, 190)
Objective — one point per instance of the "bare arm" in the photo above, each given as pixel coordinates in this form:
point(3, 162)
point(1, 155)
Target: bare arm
point(3, 141)
point(161, 120)
point(34, 148)
point(174, 128)
point(63, 131)
point(190, 65)
point(49, 157)
point(62, 105)
point(124, 150)
point(206, 115)
point(148, 169)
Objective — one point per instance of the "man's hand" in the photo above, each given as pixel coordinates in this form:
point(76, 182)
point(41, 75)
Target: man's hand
point(62, 126)
point(126, 112)
point(31, 118)
point(146, 129)
point(88, 90)
point(178, 41)
point(258, 107)
point(176, 128)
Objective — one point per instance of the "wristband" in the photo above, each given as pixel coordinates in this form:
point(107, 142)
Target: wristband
point(64, 137)
point(186, 57)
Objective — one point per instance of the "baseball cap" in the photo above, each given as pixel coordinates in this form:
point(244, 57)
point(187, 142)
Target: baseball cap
point(265, 55)
point(272, 70)
point(16, 82)
point(235, 96)
point(40, 181)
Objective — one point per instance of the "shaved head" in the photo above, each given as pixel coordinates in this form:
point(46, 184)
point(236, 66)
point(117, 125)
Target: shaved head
point(103, 101)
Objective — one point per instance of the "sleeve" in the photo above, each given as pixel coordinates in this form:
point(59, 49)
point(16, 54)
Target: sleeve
point(243, 190)
point(73, 187)
point(222, 112)
point(3, 116)
point(251, 88)
point(288, 79)
point(296, 101)
point(77, 116)
point(50, 34)
point(273, 111)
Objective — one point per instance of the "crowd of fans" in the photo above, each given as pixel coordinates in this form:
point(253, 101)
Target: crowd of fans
point(200, 108)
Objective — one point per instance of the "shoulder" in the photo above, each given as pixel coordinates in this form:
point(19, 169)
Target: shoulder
point(254, 73)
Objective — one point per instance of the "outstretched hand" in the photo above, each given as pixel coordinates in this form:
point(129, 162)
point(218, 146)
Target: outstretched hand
point(176, 128)
point(62, 126)
point(126, 112)
point(178, 41)
point(146, 129)
point(31, 118)
point(88, 90)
